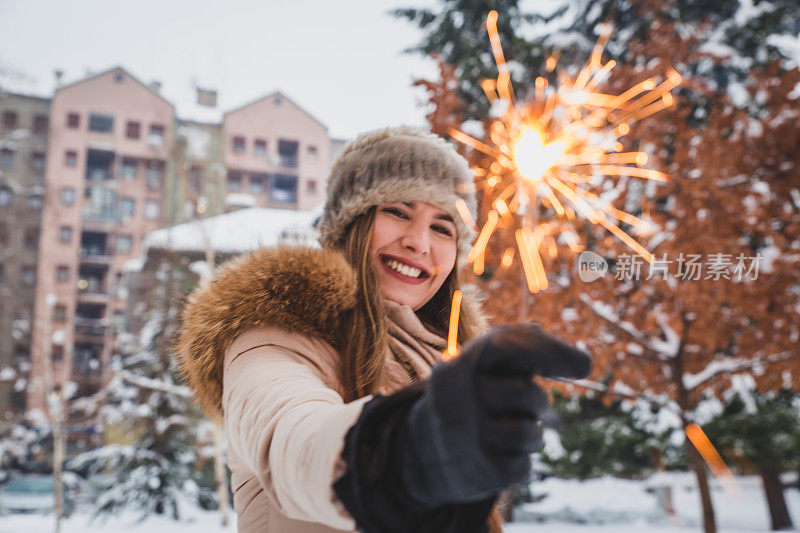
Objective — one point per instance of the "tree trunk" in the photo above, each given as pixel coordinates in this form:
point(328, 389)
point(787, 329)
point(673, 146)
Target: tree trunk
point(773, 490)
point(695, 459)
point(699, 467)
point(59, 446)
point(220, 475)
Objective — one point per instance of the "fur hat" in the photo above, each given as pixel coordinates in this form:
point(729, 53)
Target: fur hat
point(397, 165)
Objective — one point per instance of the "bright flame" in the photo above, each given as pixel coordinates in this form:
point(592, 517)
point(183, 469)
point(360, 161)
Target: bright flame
point(562, 141)
point(452, 336)
point(712, 458)
point(533, 157)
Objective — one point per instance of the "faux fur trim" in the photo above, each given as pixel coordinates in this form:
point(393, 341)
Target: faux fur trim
point(301, 290)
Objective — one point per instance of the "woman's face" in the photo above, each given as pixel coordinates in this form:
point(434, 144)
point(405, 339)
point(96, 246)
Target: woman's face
point(413, 250)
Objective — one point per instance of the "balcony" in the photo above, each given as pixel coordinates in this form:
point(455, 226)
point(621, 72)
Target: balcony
point(288, 153)
point(286, 161)
point(92, 291)
point(91, 329)
point(95, 255)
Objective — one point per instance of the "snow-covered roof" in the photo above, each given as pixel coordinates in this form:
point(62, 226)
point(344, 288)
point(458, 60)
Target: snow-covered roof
point(19, 82)
point(236, 232)
point(185, 99)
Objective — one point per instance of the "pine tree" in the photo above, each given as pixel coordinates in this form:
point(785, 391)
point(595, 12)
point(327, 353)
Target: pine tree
point(601, 437)
point(151, 425)
point(762, 431)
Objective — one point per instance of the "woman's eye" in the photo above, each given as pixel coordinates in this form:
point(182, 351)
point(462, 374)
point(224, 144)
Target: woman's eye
point(394, 211)
point(443, 230)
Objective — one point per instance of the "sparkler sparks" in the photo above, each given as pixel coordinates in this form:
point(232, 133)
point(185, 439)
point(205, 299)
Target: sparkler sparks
point(546, 154)
point(712, 458)
point(452, 336)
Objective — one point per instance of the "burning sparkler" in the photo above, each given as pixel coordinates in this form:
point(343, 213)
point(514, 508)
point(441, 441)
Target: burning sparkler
point(712, 458)
point(547, 152)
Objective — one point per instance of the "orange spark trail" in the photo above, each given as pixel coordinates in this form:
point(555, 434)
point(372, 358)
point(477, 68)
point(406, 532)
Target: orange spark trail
point(452, 335)
point(711, 456)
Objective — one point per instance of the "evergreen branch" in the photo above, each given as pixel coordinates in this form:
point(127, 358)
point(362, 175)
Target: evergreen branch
point(155, 384)
point(599, 387)
point(604, 311)
point(719, 367)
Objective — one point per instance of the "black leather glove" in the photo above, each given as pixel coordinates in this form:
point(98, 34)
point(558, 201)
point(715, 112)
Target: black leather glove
point(434, 456)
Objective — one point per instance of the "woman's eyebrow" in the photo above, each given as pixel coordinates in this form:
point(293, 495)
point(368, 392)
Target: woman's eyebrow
point(442, 216)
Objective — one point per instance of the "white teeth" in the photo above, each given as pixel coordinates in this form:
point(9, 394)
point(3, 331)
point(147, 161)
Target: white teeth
point(404, 269)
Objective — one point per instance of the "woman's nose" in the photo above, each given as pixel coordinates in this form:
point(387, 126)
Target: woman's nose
point(416, 239)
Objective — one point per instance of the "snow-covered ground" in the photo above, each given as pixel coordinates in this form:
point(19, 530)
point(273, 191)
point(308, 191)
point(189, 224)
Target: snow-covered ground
point(604, 505)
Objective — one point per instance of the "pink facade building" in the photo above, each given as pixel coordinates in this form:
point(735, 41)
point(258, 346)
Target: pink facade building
point(109, 142)
point(120, 164)
point(277, 155)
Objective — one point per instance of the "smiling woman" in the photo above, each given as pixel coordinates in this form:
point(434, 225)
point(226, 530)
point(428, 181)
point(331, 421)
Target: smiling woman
point(324, 364)
point(414, 250)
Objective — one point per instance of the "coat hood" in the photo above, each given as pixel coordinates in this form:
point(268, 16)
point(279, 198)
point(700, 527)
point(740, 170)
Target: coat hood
point(301, 290)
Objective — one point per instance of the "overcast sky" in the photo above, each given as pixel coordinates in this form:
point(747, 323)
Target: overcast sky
point(340, 60)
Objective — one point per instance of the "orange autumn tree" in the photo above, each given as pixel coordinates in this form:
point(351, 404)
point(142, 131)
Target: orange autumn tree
point(662, 334)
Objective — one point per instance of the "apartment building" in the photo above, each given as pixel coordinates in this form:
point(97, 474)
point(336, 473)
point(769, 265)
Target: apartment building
point(109, 145)
point(277, 155)
point(23, 145)
point(120, 163)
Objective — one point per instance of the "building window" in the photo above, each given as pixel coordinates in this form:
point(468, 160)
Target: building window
point(60, 313)
point(284, 188)
point(132, 130)
point(152, 209)
point(37, 163)
point(2, 273)
point(40, 124)
point(3, 234)
point(101, 123)
point(100, 166)
point(234, 181)
point(260, 147)
point(67, 195)
point(99, 203)
point(73, 121)
point(196, 179)
point(35, 202)
point(312, 155)
point(31, 237)
point(153, 177)
point(287, 153)
point(70, 158)
point(57, 353)
point(28, 275)
point(6, 159)
point(128, 169)
point(311, 187)
point(127, 207)
point(62, 273)
point(258, 183)
point(124, 244)
point(238, 145)
point(5, 196)
point(9, 120)
point(65, 234)
point(156, 138)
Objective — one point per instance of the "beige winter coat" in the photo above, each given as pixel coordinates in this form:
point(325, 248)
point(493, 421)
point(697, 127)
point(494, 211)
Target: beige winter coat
point(257, 344)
